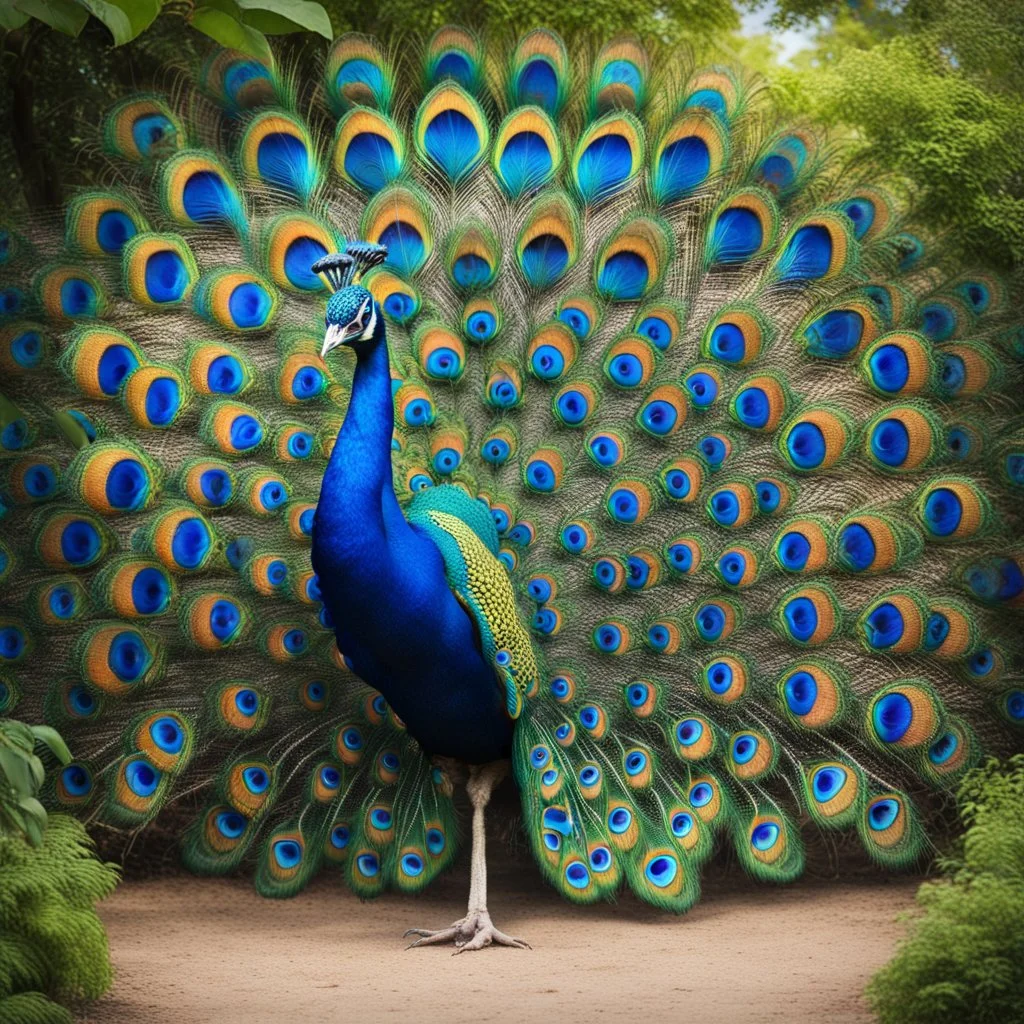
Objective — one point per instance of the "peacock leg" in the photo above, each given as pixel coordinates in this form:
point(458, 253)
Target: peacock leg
point(475, 930)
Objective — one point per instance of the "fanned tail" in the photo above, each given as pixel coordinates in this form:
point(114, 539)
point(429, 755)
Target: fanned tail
point(749, 443)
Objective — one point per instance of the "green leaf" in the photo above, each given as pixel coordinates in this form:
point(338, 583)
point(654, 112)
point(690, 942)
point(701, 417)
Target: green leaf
point(10, 17)
point(33, 827)
point(16, 767)
point(35, 766)
point(281, 17)
point(64, 15)
point(33, 808)
point(230, 32)
point(112, 16)
point(125, 18)
point(17, 734)
point(14, 821)
point(49, 737)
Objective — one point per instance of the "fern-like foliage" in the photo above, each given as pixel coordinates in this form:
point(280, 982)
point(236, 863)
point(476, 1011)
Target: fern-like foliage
point(964, 960)
point(52, 943)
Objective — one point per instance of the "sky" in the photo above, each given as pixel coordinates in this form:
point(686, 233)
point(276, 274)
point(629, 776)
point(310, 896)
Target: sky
point(755, 23)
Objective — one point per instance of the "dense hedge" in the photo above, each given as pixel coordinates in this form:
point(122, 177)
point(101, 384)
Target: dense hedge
point(964, 960)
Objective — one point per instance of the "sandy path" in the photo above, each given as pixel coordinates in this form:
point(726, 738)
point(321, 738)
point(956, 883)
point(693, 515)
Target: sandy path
point(189, 951)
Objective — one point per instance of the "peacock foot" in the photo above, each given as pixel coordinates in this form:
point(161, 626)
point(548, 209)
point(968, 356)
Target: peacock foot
point(474, 931)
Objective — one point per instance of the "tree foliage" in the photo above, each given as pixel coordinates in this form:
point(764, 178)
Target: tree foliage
point(240, 24)
point(932, 91)
point(695, 21)
point(964, 960)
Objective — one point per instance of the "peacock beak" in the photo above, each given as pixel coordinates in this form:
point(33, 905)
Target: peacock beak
point(336, 335)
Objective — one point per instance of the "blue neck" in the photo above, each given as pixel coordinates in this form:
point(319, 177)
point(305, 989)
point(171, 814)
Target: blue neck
point(384, 585)
point(358, 478)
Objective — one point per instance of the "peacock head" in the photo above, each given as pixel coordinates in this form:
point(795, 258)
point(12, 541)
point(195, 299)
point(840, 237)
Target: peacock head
point(352, 314)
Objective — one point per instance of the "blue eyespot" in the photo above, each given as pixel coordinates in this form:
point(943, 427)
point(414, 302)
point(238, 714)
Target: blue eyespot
point(576, 320)
point(412, 865)
point(794, 550)
point(801, 692)
point(76, 780)
point(496, 451)
point(689, 731)
point(827, 781)
point(882, 813)
point(619, 820)
point(559, 687)
point(744, 747)
point(256, 779)
point(481, 326)
point(764, 836)
point(682, 824)
point(247, 702)
point(943, 748)
point(605, 450)
point(710, 621)
point(636, 695)
point(167, 734)
point(368, 864)
point(142, 777)
point(662, 870)
point(681, 557)
point(701, 795)
point(656, 330)
point(714, 450)
point(720, 676)
point(545, 621)
point(82, 702)
point(230, 824)
point(557, 820)
point(703, 389)
point(769, 496)
point(658, 637)
point(577, 875)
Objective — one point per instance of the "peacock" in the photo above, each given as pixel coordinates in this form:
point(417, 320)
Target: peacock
point(477, 407)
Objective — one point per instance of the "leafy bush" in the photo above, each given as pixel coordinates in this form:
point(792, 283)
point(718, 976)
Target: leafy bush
point(52, 942)
point(21, 775)
point(964, 959)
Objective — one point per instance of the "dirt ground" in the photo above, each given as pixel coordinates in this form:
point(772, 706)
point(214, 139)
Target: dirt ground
point(190, 951)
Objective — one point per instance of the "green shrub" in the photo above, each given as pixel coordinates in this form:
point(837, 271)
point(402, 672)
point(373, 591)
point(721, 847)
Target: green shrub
point(52, 943)
point(22, 774)
point(964, 959)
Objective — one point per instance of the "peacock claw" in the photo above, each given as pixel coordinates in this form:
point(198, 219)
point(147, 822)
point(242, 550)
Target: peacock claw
point(474, 931)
